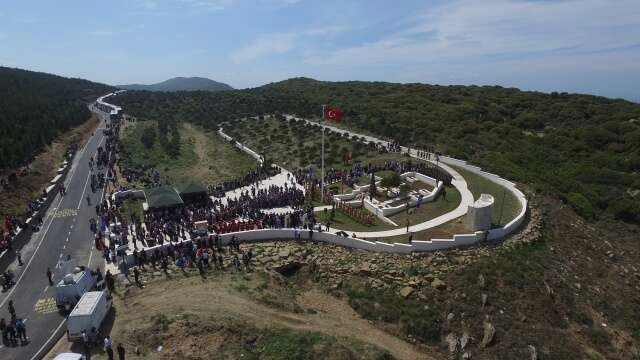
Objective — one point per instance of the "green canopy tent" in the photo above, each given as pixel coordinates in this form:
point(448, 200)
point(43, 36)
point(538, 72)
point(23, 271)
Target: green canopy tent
point(162, 197)
point(192, 193)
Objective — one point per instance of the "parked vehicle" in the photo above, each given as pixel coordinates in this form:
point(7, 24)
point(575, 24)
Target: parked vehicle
point(71, 288)
point(88, 313)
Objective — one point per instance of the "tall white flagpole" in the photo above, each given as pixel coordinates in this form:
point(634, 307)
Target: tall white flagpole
point(322, 178)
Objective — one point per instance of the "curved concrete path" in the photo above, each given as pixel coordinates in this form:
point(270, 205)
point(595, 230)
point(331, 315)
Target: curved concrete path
point(466, 197)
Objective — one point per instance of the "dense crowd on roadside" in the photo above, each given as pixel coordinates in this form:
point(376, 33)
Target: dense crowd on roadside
point(13, 223)
point(251, 177)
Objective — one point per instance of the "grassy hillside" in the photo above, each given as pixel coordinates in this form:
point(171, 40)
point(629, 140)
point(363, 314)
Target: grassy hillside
point(581, 148)
point(37, 107)
point(201, 156)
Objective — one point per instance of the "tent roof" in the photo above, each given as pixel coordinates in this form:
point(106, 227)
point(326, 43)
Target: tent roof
point(191, 188)
point(163, 196)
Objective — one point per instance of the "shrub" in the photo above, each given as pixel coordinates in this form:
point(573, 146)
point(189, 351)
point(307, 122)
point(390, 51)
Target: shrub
point(581, 205)
point(392, 180)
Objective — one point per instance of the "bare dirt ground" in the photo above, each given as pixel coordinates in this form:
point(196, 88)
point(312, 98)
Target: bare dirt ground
point(561, 289)
point(42, 169)
point(228, 296)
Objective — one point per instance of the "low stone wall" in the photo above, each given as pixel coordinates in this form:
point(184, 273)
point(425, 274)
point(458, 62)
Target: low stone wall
point(388, 211)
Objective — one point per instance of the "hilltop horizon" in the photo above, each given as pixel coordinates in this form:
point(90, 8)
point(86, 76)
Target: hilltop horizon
point(531, 45)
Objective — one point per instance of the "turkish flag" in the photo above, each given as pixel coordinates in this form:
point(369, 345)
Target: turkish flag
point(331, 113)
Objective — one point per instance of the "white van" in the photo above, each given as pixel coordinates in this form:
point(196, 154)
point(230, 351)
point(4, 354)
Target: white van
point(73, 285)
point(88, 313)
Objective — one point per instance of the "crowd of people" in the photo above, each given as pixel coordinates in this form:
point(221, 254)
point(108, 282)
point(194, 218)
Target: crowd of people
point(252, 177)
point(14, 331)
point(204, 253)
point(13, 223)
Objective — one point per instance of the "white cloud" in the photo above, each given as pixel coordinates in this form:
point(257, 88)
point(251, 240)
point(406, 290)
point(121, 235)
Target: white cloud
point(499, 29)
point(197, 4)
point(326, 30)
point(264, 46)
point(280, 43)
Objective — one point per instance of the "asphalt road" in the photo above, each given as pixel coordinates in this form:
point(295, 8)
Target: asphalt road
point(65, 232)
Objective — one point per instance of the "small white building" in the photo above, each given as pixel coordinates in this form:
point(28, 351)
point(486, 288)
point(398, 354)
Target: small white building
point(480, 212)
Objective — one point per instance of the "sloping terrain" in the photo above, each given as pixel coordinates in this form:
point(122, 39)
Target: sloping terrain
point(181, 84)
point(36, 107)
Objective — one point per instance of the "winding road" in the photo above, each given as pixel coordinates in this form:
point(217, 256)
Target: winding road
point(65, 234)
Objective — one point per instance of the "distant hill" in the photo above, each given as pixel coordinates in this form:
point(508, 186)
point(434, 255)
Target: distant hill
point(36, 107)
point(582, 147)
point(181, 84)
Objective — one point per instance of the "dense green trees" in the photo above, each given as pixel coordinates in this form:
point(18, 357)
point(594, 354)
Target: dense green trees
point(585, 149)
point(37, 107)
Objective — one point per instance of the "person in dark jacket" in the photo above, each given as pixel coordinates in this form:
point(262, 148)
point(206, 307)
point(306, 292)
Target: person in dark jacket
point(120, 350)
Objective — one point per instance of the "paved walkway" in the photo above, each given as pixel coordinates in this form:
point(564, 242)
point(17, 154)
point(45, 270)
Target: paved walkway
point(278, 180)
point(458, 181)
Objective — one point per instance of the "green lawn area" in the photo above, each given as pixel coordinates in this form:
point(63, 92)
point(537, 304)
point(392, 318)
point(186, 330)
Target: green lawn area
point(427, 211)
point(296, 145)
point(505, 201)
point(204, 156)
point(343, 222)
point(444, 231)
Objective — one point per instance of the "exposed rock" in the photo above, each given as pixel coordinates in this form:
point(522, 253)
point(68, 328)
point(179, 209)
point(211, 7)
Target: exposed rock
point(438, 284)
point(450, 316)
point(484, 300)
point(288, 268)
point(533, 353)
point(406, 291)
point(452, 342)
point(548, 289)
point(284, 253)
point(489, 334)
point(481, 281)
point(464, 340)
point(466, 355)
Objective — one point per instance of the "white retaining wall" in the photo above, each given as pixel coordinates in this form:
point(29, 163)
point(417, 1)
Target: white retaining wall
point(514, 224)
point(252, 153)
point(266, 235)
point(458, 240)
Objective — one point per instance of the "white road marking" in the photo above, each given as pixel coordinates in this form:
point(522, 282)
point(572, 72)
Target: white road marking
point(83, 191)
point(30, 260)
point(37, 355)
point(45, 288)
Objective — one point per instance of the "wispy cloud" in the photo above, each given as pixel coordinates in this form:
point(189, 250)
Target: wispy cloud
point(480, 28)
point(264, 46)
point(281, 42)
point(197, 4)
point(325, 30)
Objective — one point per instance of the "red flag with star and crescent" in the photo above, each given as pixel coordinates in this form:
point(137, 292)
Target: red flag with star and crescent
point(332, 113)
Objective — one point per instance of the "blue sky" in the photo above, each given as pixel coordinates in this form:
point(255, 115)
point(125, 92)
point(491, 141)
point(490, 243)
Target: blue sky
point(587, 46)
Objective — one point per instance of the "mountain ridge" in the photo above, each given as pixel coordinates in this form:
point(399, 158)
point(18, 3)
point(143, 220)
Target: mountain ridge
point(181, 83)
